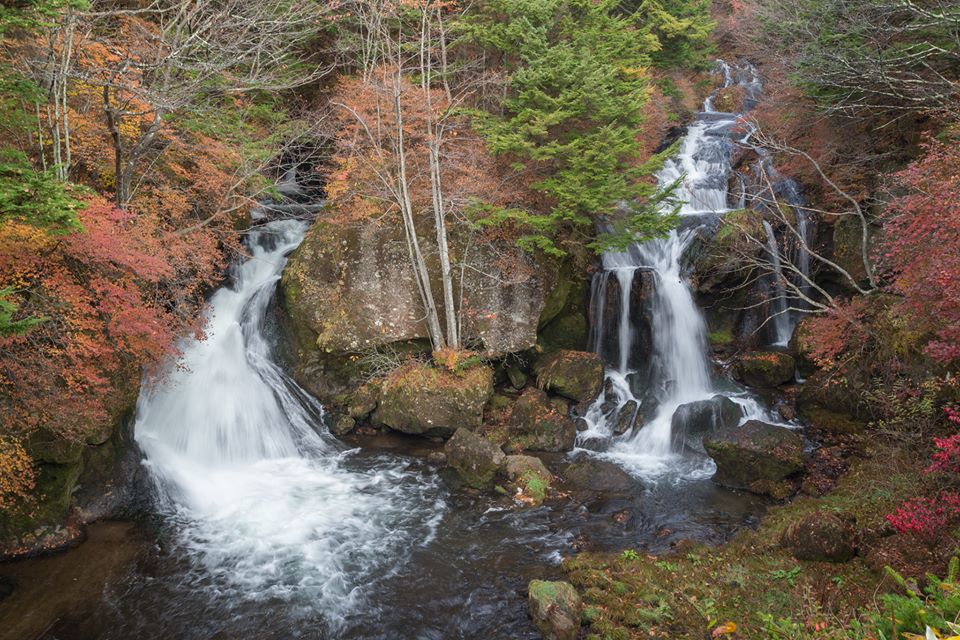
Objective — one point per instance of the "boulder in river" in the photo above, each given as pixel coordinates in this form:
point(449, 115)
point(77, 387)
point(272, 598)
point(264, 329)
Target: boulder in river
point(597, 475)
point(577, 375)
point(422, 399)
point(626, 417)
point(475, 459)
point(824, 536)
point(531, 477)
point(537, 425)
point(755, 456)
point(555, 609)
point(765, 368)
point(694, 421)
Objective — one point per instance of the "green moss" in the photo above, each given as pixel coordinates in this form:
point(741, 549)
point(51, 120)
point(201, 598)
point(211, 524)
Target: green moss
point(720, 338)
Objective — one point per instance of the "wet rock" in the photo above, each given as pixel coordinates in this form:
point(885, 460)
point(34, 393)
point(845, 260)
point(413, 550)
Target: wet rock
point(823, 536)
point(626, 417)
point(787, 411)
point(555, 609)
point(756, 456)
point(343, 426)
point(531, 477)
point(694, 421)
point(421, 399)
point(801, 347)
point(727, 260)
point(765, 368)
point(475, 459)
point(582, 424)
point(536, 425)
point(598, 475)
point(577, 375)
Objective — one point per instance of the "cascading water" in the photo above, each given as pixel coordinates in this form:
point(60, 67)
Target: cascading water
point(781, 314)
point(263, 503)
point(680, 369)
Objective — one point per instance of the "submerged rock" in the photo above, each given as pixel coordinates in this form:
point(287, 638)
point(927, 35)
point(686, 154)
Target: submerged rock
point(577, 375)
point(694, 421)
point(555, 609)
point(755, 456)
point(422, 399)
point(823, 536)
point(765, 368)
point(536, 424)
point(475, 459)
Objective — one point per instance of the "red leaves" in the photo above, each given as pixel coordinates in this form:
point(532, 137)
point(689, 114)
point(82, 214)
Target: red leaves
point(921, 246)
point(927, 518)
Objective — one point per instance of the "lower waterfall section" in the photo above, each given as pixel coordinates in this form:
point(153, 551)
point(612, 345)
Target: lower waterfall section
point(263, 503)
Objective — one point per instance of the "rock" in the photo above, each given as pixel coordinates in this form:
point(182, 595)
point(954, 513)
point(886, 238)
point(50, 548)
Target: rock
point(788, 412)
point(694, 421)
point(536, 424)
point(422, 399)
point(833, 403)
point(518, 377)
point(566, 332)
point(824, 536)
point(343, 425)
point(726, 260)
point(755, 456)
point(475, 459)
point(801, 347)
point(555, 609)
point(531, 477)
point(765, 368)
point(598, 475)
point(350, 287)
point(626, 417)
point(582, 424)
point(364, 401)
point(577, 375)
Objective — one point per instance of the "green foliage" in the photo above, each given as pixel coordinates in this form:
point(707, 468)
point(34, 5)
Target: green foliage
point(8, 308)
point(682, 29)
point(788, 575)
point(630, 554)
point(36, 197)
point(913, 612)
point(578, 83)
point(34, 14)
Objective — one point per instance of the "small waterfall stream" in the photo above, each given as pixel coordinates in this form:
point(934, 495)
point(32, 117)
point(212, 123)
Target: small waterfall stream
point(679, 371)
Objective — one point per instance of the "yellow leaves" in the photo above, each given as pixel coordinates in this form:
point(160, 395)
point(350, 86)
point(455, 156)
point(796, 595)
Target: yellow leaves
point(724, 629)
point(639, 73)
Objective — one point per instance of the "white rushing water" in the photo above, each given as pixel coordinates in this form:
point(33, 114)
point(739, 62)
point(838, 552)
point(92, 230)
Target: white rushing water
point(266, 505)
point(681, 372)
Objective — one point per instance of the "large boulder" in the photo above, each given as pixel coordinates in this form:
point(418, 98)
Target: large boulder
point(726, 258)
point(475, 459)
point(834, 403)
point(423, 399)
point(530, 476)
point(694, 421)
point(755, 456)
point(824, 536)
point(765, 368)
point(555, 609)
point(626, 418)
point(350, 287)
point(535, 424)
point(577, 375)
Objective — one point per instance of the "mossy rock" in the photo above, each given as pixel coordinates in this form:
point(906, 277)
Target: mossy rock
point(535, 424)
point(577, 375)
point(765, 368)
point(364, 401)
point(423, 399)
point(569, 331)
point(833, 403)
point(555, 608)
point(847, 245)
point(755, 456)
point(475, 459)
point(530, 476)
point(725, 258)
point(824, 536)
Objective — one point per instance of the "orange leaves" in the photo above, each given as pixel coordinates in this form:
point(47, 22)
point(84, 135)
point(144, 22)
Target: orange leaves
point(17, 477)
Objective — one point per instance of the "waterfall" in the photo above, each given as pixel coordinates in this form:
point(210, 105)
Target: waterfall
point(262, 499)
point(679, 368)
point(781, 313)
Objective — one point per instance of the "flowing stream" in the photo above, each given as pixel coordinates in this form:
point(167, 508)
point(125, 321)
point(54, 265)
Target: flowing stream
point(679, 371)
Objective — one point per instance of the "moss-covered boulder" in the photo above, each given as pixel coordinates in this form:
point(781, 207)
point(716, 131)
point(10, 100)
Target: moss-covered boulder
point(536, 424)
point(848, 247)
point(834, 402)
point(364, 401)
point(755, 456)
point(694, 421)
point(802, 348)
point(765, 368)
point(530, 476)
point(555, 608)
point(825, 536)
point(597, 475)
point(423, 399)
point(725, 259)
point(475, 459)
point(577, 375)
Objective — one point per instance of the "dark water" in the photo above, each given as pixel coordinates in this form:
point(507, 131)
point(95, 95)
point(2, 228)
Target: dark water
point(129, 580)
